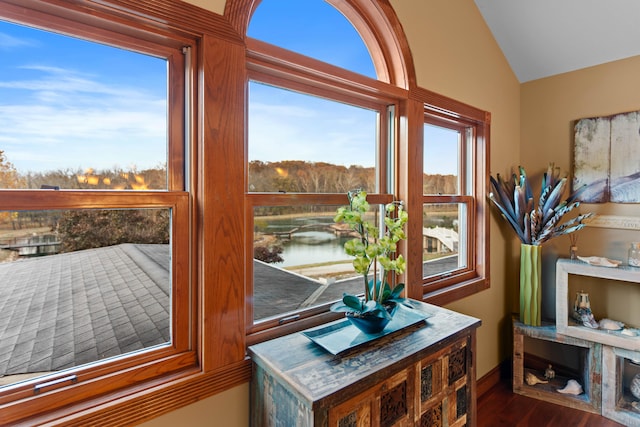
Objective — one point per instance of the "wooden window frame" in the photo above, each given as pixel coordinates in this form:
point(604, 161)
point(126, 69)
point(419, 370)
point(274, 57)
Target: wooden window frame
point(170, 376)
point(432, 108)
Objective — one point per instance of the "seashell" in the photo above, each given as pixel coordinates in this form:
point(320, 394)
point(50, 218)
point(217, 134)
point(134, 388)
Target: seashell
point(610, 325)
point(533, 380)
point(634, 387)
point(600, 261)
point(572, 387)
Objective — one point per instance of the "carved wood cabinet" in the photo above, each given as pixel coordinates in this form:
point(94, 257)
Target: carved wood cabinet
point(421, 376)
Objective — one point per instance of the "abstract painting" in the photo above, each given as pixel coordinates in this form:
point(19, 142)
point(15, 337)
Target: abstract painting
point(607, 158)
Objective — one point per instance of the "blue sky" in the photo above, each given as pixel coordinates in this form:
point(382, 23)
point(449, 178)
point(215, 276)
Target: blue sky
point(71, 104)
point(67, 103)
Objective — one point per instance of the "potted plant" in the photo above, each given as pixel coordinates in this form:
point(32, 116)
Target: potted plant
point(374, 258)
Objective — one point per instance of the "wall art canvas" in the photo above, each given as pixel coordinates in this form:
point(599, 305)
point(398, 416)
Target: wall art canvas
point(607, 158)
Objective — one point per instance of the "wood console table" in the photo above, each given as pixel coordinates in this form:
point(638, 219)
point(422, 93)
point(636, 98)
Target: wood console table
point(421, 376)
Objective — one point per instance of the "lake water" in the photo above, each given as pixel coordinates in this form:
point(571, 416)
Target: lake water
point(312, 247)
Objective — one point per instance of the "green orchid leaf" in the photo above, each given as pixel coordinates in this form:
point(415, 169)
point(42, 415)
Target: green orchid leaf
point(352, 301)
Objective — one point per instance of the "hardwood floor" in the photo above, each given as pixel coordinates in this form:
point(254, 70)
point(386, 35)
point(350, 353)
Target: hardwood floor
point(500, 407)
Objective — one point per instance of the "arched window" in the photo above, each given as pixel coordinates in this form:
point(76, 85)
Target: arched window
point(312, 28)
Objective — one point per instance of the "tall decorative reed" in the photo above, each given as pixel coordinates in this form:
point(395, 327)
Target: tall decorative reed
point(534, 225)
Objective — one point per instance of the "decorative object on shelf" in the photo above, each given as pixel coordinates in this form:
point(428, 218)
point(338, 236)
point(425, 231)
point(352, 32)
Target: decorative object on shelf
point(634, 254)
point(582, 301)
point(587, 319)
point(373, 249)
point(600, 261)
point(531, 379)
point(572, 387)
point(582, 310)
point(610, 325)
point(634, 386)
point(549, 373)
point(534, 225)
point(573, 249)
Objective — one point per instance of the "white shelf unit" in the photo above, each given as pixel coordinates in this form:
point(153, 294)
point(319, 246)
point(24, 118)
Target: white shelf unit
point(618, 350)
point(589, 377)
point(565, 267)
point(616, 398)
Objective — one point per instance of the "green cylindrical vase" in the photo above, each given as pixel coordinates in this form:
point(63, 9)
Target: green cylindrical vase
point(530, 284)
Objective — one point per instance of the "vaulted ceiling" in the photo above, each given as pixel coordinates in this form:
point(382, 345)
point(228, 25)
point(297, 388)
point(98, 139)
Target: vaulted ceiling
point(541, 38)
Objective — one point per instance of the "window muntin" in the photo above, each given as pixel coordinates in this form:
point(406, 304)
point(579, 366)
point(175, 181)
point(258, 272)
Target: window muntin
point(303, 143)
point(119, 372)
point(94, 119)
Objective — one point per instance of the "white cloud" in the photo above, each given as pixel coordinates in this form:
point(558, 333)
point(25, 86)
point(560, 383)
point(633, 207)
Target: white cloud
point(61, 119)
point(327, 132)
point(10, 42)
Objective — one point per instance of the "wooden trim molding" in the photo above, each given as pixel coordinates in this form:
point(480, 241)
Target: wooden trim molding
point(157, 398)
point(451, 107)
point(490, 380)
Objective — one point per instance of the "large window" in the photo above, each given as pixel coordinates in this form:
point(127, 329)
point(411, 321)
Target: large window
point(94, 244)
point(168, 185)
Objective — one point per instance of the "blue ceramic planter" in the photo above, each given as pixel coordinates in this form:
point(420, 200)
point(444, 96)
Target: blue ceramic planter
point(371, 324)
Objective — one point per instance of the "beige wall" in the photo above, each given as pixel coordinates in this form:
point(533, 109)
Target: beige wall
point(549, 109)
point(455, 55)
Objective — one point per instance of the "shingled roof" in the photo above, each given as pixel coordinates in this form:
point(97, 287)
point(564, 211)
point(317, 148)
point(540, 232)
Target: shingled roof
point(70, 309)
point(66, 310)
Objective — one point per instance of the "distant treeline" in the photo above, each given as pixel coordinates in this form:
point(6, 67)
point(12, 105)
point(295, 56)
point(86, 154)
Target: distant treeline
point(295, 176)
point(81, 229)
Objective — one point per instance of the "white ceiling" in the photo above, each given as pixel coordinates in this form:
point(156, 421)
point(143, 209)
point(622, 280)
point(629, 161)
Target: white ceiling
point(541, 38)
